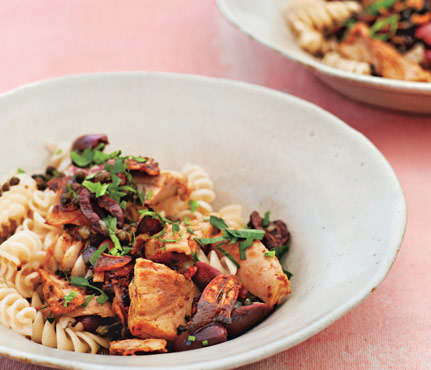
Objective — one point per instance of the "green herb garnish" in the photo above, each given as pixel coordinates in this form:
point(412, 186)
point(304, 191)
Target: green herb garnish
point(59, 151)
point(247, 243)
point(245, 234)
point(190, 230)
point(218, 222)
point(111, 224)
point(20, 170)
point(191, 338)
point(228, 255)
point(68, 298)
point(42, 308)
point(50, 319)
point(87, 300)
point(150, 194)
point(269, 254)
point(374, 8)
point(98, 253)
point(83, 282)
point(193, 205)
point(288, 274)
point(280, 250)
point(204, 343)
point(96, 187)
point(139, 159)
point(187, 221)
point(195, 257)
point(265, 221)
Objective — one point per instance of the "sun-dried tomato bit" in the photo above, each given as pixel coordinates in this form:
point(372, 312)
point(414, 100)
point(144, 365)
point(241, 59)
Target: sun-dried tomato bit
point(149, 166)
point(107, 262)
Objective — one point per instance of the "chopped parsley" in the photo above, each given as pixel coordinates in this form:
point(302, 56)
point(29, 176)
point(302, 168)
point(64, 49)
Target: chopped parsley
point(59, 151)
point(265, 221)
point(269, 254)
point(96, 187)
point(111, 224)
point(141, 196)
point(175, 229)
point(193, 205)
point(50, 319)
point(191, 338)
point(245, 234)
point(243, 245)
point(87, 300)
point(187, 221)
point(204, 343)
point(280, 250)
point(195, 257)
point(98, 253)
point(288, 274)
point(228, 255)
point(20, 170)
point(150, 194)
point(83, 282)
point(68, 298)
point(190, 230)
point(218, 223)
point(139, 159)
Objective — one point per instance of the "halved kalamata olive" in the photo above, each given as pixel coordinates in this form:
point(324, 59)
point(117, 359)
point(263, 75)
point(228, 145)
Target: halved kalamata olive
point(216, 303)
point(89, 141)
point(148, 225)
point(246, 317)
point(204, 274)
point(90, 323)
point(207, 336)
point(107, 262)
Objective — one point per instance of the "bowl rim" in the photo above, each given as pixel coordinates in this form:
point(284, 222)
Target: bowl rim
point(250, 356)
point(315, 65)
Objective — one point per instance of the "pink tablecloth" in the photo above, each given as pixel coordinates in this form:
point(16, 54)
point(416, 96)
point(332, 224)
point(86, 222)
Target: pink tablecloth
point(45, 38)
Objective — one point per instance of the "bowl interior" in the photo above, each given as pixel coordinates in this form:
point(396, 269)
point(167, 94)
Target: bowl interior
point(264, 150)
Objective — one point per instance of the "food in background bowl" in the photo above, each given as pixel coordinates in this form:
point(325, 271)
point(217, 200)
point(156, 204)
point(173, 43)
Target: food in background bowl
point(387, 38)
point(108, 251)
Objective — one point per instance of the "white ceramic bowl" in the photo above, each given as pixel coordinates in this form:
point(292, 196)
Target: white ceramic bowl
point(263, 20)
point(265, 150)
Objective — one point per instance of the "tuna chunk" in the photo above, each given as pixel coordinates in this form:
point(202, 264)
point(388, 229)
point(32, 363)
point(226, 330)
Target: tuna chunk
point(56, 289)
point(260, 275)
point(160, 298)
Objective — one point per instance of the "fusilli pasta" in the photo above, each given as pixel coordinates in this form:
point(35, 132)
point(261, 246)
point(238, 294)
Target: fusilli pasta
point(335, 60)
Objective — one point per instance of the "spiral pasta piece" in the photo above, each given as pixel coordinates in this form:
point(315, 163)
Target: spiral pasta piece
point(15, 311)
point(20, 247)
point(335, 60)
point(65, 334)
point(67, 254)
point(60, 156)
point(201, 191)
point(309, 18)
point(231, 214)
point(14, 204)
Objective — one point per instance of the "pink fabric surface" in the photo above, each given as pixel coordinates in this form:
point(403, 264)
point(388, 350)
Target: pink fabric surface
point(46, 38)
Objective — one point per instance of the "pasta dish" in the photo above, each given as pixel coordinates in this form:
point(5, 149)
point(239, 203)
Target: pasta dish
point(107, 253)
point(386, 38)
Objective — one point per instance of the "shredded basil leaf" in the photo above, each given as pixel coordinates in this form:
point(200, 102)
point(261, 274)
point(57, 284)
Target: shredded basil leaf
point(150, 194)
point(139, 159)
point(245, 234)
point(190, 230)
point(83, 282)
point(187, 221)
point(243, 245)
point(288, 274)
point(50, 319)
point(191, 338)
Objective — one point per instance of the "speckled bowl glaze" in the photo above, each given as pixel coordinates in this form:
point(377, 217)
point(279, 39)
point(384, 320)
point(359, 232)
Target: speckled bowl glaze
point(264, 22)
point(265, 150)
